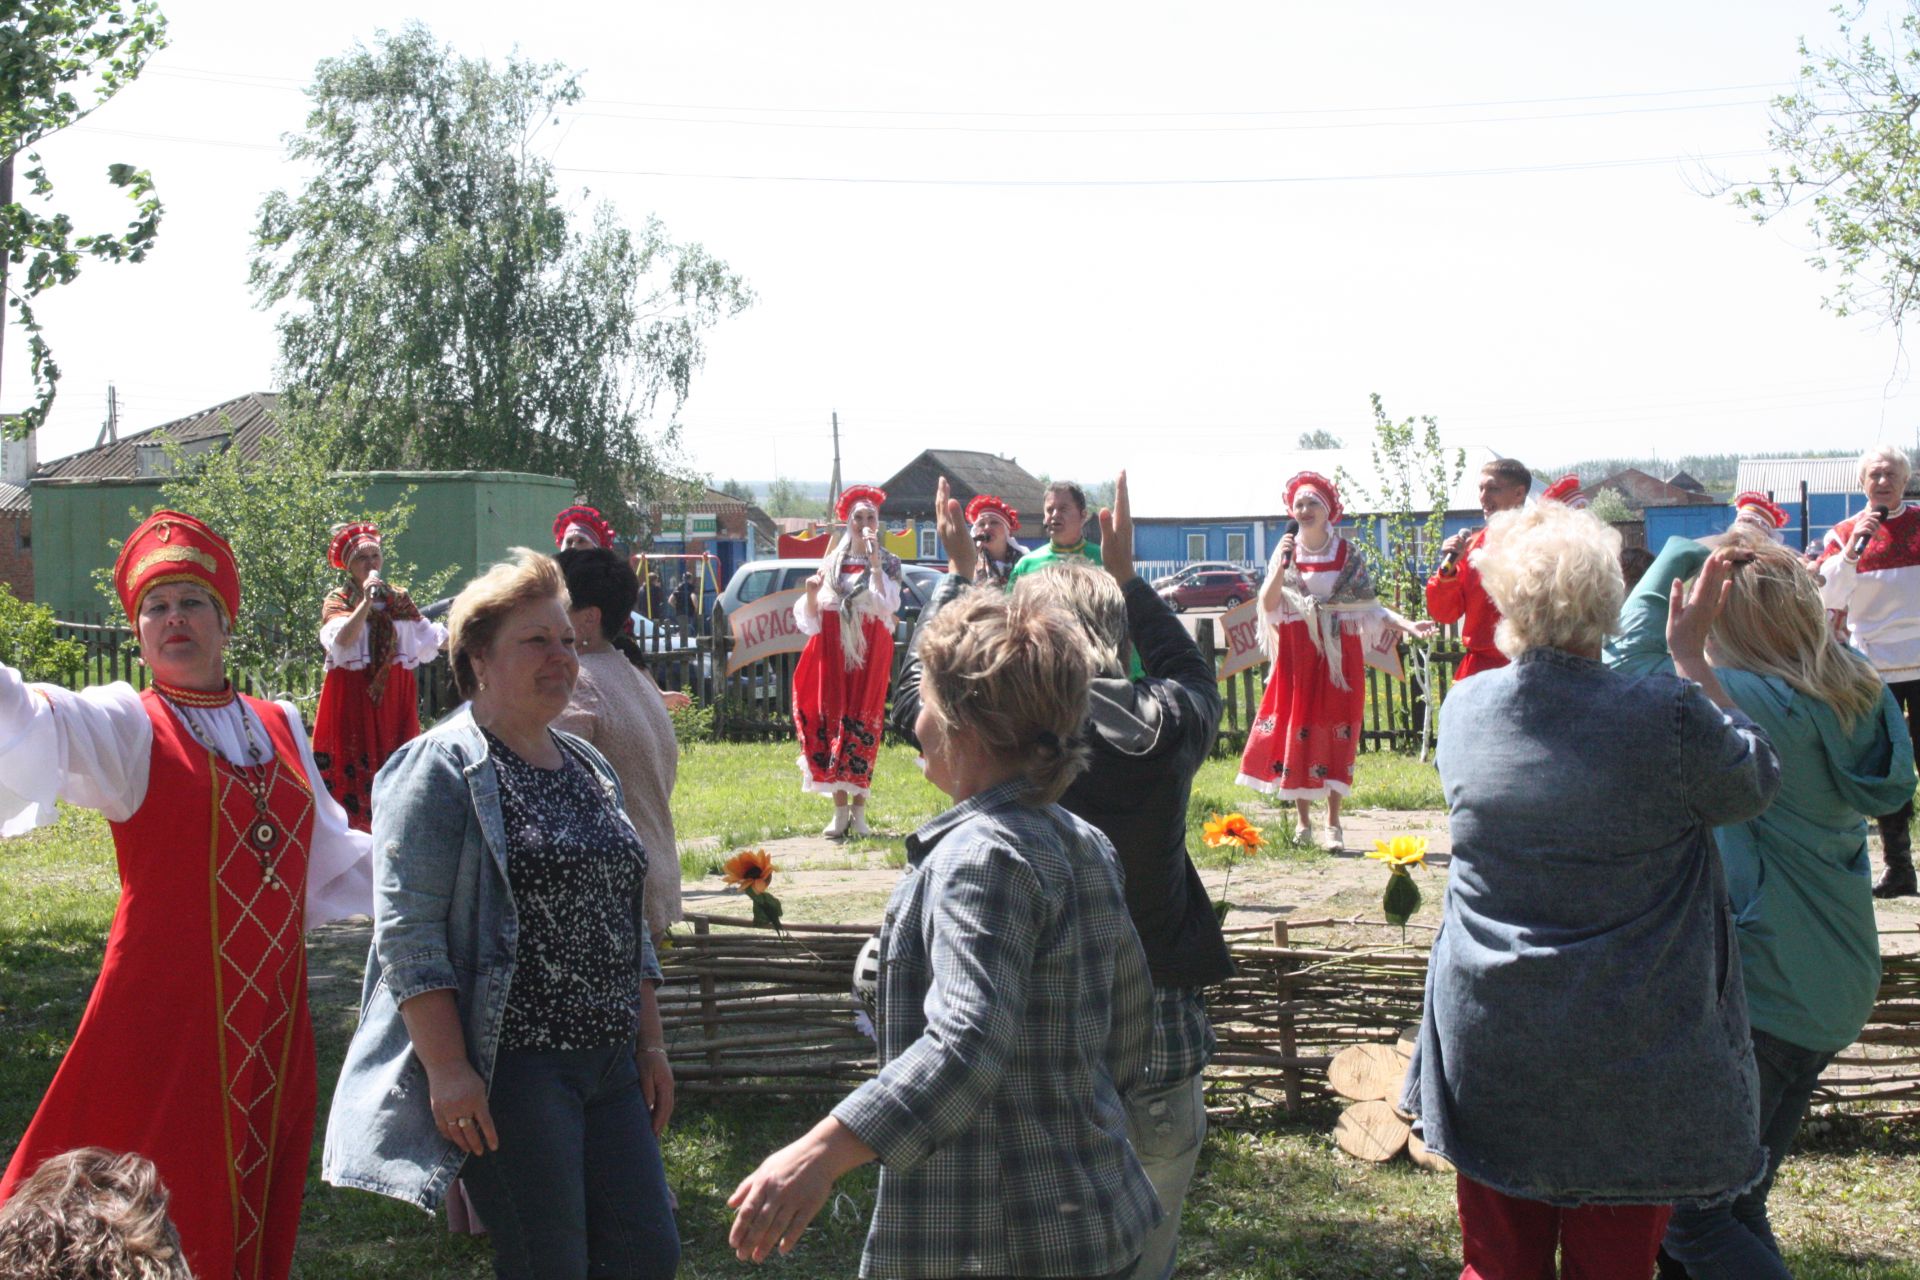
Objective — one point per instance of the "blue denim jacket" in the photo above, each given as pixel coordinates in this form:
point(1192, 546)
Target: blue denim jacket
point(443, 917)
point(1585, 1038)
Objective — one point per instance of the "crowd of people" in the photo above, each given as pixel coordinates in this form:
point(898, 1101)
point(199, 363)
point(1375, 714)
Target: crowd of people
point(1658, 926)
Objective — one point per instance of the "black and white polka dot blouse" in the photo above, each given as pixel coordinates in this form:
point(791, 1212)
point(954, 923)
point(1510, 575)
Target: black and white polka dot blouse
point(577, 872)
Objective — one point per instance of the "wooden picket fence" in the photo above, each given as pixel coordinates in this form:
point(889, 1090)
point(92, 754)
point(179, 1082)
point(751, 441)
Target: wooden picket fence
point(744, 1005)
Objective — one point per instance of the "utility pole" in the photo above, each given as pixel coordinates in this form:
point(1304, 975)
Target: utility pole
point(833, 490)
point(110, 429)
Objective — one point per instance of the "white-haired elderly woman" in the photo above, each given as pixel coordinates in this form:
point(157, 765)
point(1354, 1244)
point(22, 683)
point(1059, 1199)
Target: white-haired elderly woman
point(1014, 994)
point(1584, 1059)
point(1871, 568)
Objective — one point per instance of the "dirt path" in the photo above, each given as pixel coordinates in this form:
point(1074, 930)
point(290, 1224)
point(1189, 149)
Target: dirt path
point(822, 881)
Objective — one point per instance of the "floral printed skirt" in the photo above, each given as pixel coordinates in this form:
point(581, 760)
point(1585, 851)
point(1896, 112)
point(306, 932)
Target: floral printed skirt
point(1302, 743)
point(840, 713)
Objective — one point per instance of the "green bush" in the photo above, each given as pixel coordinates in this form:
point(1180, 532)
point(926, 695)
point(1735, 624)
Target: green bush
point(29, 643)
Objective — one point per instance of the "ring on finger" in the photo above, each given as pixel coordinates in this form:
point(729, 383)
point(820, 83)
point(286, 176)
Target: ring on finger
point(464, 1121)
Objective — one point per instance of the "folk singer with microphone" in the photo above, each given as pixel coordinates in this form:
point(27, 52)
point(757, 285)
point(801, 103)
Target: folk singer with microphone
point(1871, 572)
point(1454, 593)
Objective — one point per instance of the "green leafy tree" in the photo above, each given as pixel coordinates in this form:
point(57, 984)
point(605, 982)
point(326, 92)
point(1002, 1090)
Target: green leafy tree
point(1414, 475)
point(735, 489)
point(441, 302)
point(278, 512)
point(31, 645)
point(1319, 438)
point(1850, 161)
point(789, 498)
point(59, 61)
point(1609, 506)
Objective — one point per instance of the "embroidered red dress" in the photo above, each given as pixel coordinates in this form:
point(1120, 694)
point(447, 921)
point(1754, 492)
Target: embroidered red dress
point(839, 704)
point(195, 1049)
point(1326, 632)
point(370, 699)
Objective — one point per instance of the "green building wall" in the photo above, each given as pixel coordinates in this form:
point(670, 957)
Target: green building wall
point(463, 519)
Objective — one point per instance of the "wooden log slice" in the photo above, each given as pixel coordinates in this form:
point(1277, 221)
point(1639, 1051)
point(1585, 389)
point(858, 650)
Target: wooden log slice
point(1370, 1131)
point(1366, 1072)
point(1404, 1045)
point(1418, 1153)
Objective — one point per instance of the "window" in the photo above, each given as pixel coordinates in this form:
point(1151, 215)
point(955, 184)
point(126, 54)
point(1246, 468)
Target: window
point(1196, 546)
point(797, 578)
point(756, 584)
point(1236, 546)
point(929, 543)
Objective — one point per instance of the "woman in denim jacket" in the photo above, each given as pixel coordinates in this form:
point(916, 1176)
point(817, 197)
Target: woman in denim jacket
point(508, 1031)
point(1584, 1058)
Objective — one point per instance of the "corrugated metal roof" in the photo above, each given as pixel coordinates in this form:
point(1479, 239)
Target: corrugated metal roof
point(247, 419)
point(1782, 476)
point(13, 499)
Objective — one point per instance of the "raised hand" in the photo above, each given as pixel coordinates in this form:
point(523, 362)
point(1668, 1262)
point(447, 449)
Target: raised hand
point(951, 523)
point(1116, 533)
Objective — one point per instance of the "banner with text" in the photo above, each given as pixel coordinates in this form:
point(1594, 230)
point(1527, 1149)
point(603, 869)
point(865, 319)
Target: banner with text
point(764, 628)
point(1240, 631)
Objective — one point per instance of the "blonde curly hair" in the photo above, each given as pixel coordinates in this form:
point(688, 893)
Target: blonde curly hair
point(1554, 574)
point(91, 1214)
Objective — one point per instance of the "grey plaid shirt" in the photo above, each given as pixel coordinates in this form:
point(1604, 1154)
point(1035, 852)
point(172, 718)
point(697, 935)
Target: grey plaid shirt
point(1182, 1036)
point(1015, 1008)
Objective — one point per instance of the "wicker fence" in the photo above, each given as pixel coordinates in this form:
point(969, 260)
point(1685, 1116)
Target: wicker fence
point(742, 1004)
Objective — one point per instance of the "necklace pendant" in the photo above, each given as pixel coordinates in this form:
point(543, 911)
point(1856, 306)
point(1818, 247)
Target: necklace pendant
point(264, 834)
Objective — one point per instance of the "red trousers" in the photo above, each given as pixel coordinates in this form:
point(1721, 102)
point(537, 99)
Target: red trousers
point(1506, 1238)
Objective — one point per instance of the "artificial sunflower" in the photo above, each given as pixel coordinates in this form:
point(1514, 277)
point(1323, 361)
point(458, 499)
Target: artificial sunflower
point(1402, 897)
point(1401, 851)
point(751, 870)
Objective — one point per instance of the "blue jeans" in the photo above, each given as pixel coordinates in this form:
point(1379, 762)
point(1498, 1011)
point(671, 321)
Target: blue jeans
point(1735, 1241)
point(577, 1188)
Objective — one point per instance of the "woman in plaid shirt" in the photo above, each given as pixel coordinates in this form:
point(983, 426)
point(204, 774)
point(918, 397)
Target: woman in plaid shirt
point(1015, 1001)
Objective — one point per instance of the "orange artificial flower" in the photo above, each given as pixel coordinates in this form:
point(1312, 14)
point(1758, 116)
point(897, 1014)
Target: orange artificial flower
point(1233, 829)
point(750, 869)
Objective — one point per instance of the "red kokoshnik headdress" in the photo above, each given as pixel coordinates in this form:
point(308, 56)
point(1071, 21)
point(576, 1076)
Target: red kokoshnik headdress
point(1565, 490)
point(987, 502)
point(872, 495)
point(348, 541)
point(586, 519)
point(171, 546)
point(1754, 500)
point(1329, 494)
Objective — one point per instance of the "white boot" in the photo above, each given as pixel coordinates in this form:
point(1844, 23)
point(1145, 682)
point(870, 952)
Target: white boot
point(859, 827)
point(838, 827)
point(1303, 832)
point(1336, 841)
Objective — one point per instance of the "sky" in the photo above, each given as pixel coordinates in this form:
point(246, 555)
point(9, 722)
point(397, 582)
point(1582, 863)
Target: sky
point(1161, 238)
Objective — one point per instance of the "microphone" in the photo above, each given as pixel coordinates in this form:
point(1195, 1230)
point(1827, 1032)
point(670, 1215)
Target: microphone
point(1860, 543)
point(1453, 552)
point(1293, 527)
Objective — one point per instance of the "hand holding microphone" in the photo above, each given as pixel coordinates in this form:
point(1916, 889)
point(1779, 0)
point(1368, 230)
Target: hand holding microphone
point(1286, 543)
point(1864, 531)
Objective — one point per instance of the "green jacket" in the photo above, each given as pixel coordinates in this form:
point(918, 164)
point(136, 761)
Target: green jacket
point(1798, 876)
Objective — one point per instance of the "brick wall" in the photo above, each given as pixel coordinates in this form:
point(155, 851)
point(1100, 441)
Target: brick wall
point(16, 555)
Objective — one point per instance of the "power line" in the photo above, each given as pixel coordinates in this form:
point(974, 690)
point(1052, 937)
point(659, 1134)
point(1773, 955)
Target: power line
point(257, 80)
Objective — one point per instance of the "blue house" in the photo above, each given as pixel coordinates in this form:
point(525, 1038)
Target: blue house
point(1163, 543)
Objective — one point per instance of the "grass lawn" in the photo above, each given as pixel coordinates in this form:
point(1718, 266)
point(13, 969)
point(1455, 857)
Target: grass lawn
point(1277, 1203)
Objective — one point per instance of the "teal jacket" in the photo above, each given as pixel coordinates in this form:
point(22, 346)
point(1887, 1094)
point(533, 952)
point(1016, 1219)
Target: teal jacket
point(1798, 875)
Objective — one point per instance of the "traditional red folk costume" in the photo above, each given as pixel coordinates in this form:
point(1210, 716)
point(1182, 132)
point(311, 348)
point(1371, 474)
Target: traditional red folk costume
point(991, 520)
point(583, 522)
point(195, 1049)
point(1327, 630)
point(1455, 594)
point(370, 699)
point(840, 682)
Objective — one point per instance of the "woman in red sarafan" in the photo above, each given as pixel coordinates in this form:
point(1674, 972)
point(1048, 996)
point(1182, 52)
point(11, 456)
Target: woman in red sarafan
point(195, 1050)
point(840, 682)
point(370, 700)
point(1323, 626)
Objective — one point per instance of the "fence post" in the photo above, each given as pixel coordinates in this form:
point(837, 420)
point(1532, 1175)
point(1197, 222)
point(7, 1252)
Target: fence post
point(1289, 1041)
point(715, 676)
point(709, 1007)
